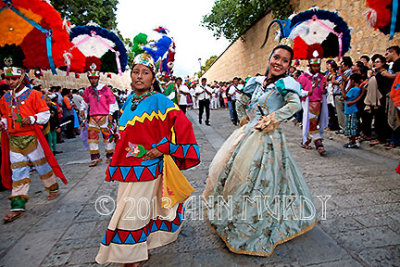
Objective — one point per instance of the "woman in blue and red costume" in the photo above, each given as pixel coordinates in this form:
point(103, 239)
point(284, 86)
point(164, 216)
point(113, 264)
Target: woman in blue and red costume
point(151, 125)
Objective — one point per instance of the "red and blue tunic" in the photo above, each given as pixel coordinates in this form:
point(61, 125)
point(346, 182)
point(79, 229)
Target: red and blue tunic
point(155, 123)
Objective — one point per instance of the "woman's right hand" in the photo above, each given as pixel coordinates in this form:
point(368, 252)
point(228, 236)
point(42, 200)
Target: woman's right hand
point(244, 120)
point(152, 154)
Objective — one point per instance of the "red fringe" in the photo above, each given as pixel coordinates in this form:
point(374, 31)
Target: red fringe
point(34, 44)
point(90, 61)
point(383, 12)
point(314, 47)
point(300, 48)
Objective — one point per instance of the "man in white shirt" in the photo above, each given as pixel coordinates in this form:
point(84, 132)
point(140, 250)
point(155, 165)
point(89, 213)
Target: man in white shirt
point(234, 93)
point(77, 99)
point(215, 96)
point(183, 92)
point(194, 96)
point(204, 93)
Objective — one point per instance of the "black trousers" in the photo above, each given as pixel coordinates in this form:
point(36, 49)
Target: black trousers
point(366, 123)
point(205, 103)
point(183, 108)
point(382, 128)
point(333, 121)
point(69, 128)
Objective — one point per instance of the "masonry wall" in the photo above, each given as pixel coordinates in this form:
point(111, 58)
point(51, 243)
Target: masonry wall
point(245, 57)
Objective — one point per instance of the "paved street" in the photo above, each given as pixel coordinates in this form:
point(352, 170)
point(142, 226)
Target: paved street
point(362, 225)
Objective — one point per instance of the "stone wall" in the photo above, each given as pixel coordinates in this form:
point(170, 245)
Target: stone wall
point(244, 57)
point(61, 79)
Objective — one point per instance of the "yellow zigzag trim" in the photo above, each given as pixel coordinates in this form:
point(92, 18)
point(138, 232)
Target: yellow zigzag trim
point(149, 117)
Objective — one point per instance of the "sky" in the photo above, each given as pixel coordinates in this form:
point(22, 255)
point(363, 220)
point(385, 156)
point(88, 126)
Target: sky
point(182, 18)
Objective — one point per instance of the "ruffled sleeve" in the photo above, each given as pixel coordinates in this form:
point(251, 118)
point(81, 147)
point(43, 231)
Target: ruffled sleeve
point(288, 84)
point(252, 85)
point(290, 91)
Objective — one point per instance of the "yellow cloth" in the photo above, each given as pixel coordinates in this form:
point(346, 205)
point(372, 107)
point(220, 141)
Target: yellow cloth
point(175, 187)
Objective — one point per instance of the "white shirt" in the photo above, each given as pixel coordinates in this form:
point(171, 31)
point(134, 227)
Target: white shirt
point(77, 99)
point(216, 92)
point(183, 98)
point(202, 92)
point(114, 107)
point(193, 92)
point(233, 91)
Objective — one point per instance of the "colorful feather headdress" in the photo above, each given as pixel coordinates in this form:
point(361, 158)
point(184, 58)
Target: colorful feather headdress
point(162, 50)
point(100, 46)
point(314, 30)
point(32, 30)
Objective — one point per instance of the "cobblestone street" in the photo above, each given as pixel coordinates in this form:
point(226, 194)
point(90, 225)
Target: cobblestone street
point(362, 225)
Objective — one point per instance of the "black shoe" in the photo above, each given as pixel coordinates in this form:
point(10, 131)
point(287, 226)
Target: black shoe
point(200, 122)
point(350, 145)
point(208, 124)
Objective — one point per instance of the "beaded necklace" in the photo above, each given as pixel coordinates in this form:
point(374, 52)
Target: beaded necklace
point(137, 99)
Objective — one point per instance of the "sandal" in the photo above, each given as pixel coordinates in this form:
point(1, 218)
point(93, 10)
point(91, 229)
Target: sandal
point(374, 142)
point(321, 150)
point(52, 195)
point(12, 216)
point(95, 162)
point(365, 138)
point(305, 146)
point(390, 146)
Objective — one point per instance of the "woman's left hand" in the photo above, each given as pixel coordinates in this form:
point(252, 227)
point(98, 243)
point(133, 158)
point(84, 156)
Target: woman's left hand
point(152, 154)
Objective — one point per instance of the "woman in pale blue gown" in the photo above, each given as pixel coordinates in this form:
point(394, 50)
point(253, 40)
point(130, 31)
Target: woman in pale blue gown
point(256, 195)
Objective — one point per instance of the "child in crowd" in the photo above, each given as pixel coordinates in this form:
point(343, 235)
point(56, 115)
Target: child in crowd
point(351, 109)
point(54, 123)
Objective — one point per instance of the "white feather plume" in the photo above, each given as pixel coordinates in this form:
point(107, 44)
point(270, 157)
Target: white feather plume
point(66, 26)
point(67, 58)
point(371, 16)
point(47, 1)
point(292, 16)
point(92, 47)
point(277, 36)
point(92, 23)
point(301, 29)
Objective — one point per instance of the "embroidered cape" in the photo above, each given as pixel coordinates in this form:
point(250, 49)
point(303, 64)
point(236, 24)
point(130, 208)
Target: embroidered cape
point(156, 122)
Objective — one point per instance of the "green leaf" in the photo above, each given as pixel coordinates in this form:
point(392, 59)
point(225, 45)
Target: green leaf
point(232, 18)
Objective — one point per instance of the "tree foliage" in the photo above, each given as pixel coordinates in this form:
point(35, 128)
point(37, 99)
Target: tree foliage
point(209, 62)
point(206, 66)
point(80, 12)
point(231, 18)
point(128, 45)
